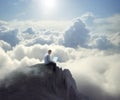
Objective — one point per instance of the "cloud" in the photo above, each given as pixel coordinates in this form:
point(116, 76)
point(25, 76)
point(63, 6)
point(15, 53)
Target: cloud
point(88, 18)
point(27, 35)
point(105, 42)
point(8, 64)
point(40, 37)
point(8, 35)
point(107, 25)
point(101, 42)
point(93, 66)
point(38, 52)
point(115, 39)
point(38, 40)
point(40, 25)
point(29, 30)
point(22, 56)
point(3, 23)
point(97, 75)
point(76, 35)
point(6, 46)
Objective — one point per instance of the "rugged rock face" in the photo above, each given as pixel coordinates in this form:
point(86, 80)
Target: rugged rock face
point(40, 82)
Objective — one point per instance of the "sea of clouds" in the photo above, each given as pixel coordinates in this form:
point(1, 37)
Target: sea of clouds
point(89, 48)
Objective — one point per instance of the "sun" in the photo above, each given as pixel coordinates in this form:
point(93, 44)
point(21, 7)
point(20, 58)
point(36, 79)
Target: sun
point(48, 6)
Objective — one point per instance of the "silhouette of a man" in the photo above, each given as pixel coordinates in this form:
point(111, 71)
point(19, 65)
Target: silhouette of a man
point(48, 61)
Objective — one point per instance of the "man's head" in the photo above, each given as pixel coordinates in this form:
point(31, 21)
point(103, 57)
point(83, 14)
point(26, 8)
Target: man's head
point(49, 51)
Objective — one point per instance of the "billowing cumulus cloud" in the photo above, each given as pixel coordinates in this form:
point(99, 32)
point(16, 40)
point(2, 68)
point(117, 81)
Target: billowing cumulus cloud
point(9, 35)
point(76, 35)
point(101, 42)
point(8, 64)
point(105, 42)
point(38, 52)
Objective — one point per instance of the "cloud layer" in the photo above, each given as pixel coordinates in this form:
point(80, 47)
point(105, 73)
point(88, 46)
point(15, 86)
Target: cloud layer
point(91, 55)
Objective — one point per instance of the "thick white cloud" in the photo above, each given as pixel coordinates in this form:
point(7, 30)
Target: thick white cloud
point(38, 52)
point(8, 64)
point(76, 35)
point(97, 75)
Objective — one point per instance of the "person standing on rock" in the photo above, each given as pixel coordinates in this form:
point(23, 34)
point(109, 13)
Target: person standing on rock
point(48, 61)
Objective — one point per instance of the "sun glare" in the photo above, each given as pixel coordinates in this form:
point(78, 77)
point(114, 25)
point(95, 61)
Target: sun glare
point(48, 6)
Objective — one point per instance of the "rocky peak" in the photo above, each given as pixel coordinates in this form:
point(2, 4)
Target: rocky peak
point(40, 82)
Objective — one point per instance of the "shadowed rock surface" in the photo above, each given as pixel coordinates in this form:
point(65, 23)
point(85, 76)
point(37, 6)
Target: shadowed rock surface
point(39, 82)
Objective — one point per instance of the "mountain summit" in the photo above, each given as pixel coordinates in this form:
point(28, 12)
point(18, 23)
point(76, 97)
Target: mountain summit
point(39, 82)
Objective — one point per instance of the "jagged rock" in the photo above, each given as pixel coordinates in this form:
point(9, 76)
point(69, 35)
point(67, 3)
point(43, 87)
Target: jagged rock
point(40, 82)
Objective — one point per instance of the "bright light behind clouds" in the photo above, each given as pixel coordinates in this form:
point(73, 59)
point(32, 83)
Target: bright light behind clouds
point(48, 6)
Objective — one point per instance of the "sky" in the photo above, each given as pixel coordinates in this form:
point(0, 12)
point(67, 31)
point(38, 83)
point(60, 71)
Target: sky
point(64, 9)
point(83, 34)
